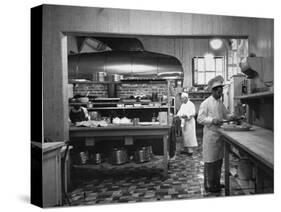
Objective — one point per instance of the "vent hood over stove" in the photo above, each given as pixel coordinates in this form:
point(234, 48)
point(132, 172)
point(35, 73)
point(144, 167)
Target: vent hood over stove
point(127, 58)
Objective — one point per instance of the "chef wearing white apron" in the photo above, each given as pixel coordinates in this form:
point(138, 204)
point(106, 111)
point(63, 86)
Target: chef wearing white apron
point(211, 112)
point(186, 113)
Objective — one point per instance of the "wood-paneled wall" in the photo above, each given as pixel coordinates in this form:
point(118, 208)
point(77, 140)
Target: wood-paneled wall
point(182, 48)
point(60, 19)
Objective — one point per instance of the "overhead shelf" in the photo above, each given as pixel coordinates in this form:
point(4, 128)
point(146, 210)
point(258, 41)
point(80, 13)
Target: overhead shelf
point(197, 99)
point(93, 82)
point(118, 82)
point(127, 108)
point(256, 95)
point(199, 92)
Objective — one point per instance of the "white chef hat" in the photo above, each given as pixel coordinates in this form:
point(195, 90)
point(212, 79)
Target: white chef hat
point(215, 82)
point(184, 94)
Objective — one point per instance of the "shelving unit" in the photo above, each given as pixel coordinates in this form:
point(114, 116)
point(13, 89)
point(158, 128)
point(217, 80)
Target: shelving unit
point(154, 162)
point(127, 133)
point(199, 92)
point(256, 95)
point(117, 82)
point(168, 107)
point(125, 108)
point(259, 108)
point(93, 82)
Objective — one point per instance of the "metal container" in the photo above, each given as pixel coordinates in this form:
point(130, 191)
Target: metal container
point(83, 157)
point(96, 158)
point(144, 154)
point(163, 118)
point(136, 121)
point(115, 77)
point(119, 156)
point(149, 150)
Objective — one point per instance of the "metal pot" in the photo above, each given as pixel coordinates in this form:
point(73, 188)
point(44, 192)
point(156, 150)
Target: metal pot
point(119, 156)
point(116, 77)
point(101, 76)
point(144, 154)
point(96, 158)
point(148, 149)
point(83, 157)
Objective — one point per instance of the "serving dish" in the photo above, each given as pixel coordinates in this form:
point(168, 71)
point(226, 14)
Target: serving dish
point(235, 127)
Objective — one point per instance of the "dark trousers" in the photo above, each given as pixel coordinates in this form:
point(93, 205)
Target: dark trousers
point(212, 176)
point(172, 141)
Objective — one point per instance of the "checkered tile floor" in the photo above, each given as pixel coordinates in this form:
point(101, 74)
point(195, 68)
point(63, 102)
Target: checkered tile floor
point(185, 181)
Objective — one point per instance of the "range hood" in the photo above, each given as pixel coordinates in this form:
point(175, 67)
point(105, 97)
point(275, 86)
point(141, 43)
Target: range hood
point(126, 58)
point(252, 66)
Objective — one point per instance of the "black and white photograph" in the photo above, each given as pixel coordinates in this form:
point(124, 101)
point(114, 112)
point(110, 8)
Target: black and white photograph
point(119, 106)
point(144, 106)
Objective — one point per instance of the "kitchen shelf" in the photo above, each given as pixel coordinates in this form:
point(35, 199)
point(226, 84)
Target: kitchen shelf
point(119, 82)
point(93, 82)
point(126, 108)
point(154, 162)
point(256, 95)
point(199, 92)
point(151, 81)
point(77, 103)
point(197, 99)
point(93, 103)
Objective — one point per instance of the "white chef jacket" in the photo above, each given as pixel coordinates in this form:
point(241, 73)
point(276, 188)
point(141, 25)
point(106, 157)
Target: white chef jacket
point(211, 109)
point(188, 126)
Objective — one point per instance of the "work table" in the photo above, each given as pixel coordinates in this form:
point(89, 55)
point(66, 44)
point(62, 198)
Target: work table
point(48, 146)
point(128, 132)
point(258, 145)
point(257, 142)
point(119, 130)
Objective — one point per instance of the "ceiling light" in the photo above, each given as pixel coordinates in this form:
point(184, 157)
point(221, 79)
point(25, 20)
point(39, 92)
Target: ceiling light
point(216, 44)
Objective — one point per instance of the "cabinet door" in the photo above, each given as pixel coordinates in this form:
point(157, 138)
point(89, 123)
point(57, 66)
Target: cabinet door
point(52, 195)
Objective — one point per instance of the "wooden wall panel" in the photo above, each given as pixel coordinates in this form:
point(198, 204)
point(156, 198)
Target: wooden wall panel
point(57, 19)
point(182, 48)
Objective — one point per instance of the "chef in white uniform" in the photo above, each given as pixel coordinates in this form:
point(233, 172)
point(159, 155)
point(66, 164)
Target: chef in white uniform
point(186, 113)
point(211, 114)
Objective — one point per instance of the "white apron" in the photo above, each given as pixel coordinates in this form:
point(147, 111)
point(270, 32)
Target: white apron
point(189, 127)
point(212, 144)
point(189, 133)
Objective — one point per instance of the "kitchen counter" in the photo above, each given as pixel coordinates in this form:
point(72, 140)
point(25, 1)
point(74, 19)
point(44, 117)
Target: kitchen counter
point(259, 147)
point(130, 128)
point(48, 146)
point(128, 133)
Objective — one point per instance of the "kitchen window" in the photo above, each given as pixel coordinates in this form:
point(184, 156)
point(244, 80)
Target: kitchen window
point(204, 69)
